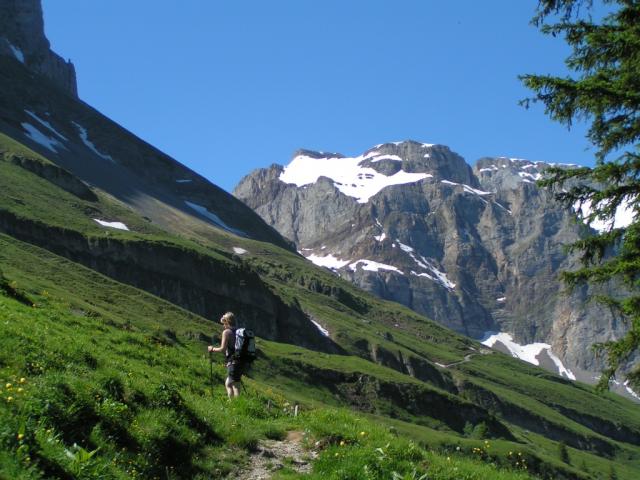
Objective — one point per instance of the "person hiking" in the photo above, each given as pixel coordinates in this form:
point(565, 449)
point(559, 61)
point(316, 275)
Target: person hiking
point(228, 346)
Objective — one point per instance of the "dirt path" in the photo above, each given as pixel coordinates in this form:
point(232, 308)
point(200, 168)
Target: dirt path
point(467, 358)
point(273, 455)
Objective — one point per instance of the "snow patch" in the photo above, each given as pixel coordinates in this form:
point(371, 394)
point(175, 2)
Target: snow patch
point(395, 158)
point(529, 176)
point(239, 251)
point(89, 144)
point(528, 353)
point(629, 391)
point(435, 275)
point(371, 266)
point(442, 278)
point(562, 370)
point(623, 218)
point(466, 188)
point(17, 53)
point(349, 177)
point(501, 299)
point(117, 225)
point(403, 247)
point(380, 237)
point(322, 330)
point(503, 207)
point(46, 124)
point(37, 136)
point(184, 181)
point(328, 261)
point(214, 218)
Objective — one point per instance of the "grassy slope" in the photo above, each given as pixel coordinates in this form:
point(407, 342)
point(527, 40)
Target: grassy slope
point(143, 330)
point(120, 372)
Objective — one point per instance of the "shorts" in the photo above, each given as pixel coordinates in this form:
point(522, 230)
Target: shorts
point(235, 371)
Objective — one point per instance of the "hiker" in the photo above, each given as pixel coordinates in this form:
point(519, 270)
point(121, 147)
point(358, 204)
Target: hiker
point(232, 362)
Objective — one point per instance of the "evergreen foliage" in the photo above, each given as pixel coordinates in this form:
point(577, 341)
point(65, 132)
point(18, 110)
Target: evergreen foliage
point(604, 92)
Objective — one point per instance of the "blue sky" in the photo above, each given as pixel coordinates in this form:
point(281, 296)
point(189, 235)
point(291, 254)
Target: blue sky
point(229, 86)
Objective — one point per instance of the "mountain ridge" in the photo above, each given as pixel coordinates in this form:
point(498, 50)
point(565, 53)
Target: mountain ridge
point(22, 37)
point(478, 249)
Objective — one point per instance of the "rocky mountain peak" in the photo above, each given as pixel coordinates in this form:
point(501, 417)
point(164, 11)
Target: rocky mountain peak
point(476, 249)
point(503, 173)
point(303, 152)
point(22, 37)
point(365, 175)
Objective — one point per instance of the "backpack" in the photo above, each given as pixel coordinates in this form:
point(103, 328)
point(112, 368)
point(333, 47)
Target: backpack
point(245, 345)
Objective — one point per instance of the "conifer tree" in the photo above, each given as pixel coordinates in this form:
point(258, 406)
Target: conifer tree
point(604, 91)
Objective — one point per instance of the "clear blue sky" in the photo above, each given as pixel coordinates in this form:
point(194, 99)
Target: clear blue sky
point(229, 86)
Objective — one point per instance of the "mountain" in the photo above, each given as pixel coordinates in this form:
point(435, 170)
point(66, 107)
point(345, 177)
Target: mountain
point(477, 249)
point(22, 37)
point(116, 262)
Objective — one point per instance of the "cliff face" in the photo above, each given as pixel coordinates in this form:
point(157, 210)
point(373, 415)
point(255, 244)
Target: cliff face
point(478, 250)
point(22, 37)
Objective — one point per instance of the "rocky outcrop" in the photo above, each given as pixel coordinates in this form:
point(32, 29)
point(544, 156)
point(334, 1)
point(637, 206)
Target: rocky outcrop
point(194, 281)
point(56, 175)
point(476, 249)
point(22, 37)
point(412, 400)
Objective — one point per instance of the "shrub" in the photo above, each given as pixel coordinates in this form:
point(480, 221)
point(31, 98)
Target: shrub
point(166, 395)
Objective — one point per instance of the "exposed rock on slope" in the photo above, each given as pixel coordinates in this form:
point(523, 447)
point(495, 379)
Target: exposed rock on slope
point(104, 155)
point(22, 37)
point(479, 250)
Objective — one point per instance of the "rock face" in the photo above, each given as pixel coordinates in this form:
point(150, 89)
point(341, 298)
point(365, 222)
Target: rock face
point(84, 148)
point(478, 250)
point(22, 37)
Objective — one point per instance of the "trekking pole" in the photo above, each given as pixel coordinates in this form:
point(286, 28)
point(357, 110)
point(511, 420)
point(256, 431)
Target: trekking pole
point(211, 372)
point(244, 387)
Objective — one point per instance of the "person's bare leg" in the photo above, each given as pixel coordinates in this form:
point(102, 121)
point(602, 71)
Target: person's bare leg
point(229, 386)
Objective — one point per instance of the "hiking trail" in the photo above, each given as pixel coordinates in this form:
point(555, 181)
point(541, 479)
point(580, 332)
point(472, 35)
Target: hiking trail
point(467, 358)
point(273, 455)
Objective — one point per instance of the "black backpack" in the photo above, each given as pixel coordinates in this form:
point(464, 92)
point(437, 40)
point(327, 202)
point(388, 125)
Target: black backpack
point(245, 345)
